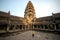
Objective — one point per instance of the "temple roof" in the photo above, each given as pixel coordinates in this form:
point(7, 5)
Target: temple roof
point(29, 7)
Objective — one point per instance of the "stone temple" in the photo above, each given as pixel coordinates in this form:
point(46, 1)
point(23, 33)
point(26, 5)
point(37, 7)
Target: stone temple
point(13, 23)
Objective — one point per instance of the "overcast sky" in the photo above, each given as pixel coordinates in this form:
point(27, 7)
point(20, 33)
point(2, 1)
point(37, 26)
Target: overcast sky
point(42, 7)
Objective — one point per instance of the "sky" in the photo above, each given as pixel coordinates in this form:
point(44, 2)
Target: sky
point(42, 7)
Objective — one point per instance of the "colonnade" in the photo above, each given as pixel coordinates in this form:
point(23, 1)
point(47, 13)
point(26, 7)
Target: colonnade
point(17, 27)
point(47, 27)
point(26, 27)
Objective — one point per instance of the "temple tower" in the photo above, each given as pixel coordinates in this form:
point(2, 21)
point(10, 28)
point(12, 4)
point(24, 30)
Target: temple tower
point(29, 13)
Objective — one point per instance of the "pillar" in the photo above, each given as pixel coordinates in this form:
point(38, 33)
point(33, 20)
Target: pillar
point(14, 28)
point(25, 26)
point(29, 27)
point(55, 26)
point(22, 27)
point(40, 26)
point(8, 27)
point(48, 27)
point(43, 26)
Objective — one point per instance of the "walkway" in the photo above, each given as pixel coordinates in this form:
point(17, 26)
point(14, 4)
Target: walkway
point(28, 36)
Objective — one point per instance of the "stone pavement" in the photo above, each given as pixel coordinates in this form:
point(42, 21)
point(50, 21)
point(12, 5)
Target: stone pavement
point(28, 36)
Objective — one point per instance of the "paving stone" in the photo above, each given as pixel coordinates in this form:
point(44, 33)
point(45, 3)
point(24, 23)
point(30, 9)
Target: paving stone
point(28, 36)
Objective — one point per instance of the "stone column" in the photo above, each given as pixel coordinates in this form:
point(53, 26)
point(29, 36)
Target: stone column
point(25, 27)
point(22, 27)
point(55, 26)
point(48, 27)
point(33, 26)
point(37, 26)
point(29, 27)
point(8, 27)
point(43, 26)
point(14, 28)
point(18, 27)
point(40, 27)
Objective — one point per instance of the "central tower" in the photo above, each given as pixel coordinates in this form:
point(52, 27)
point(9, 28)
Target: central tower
point(29, 13)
